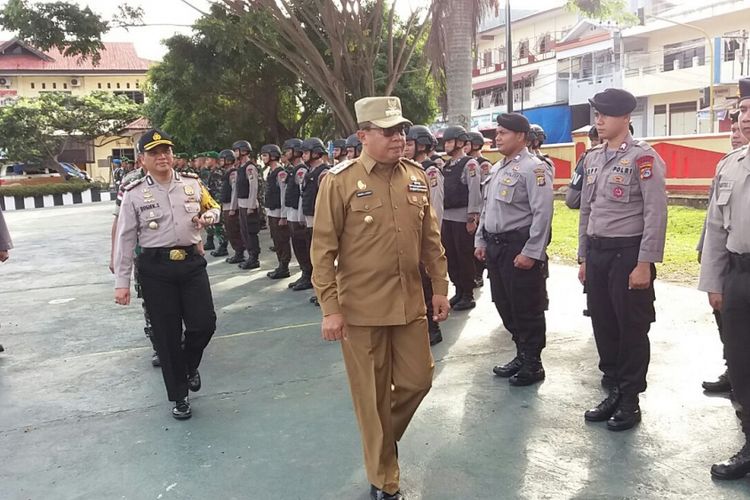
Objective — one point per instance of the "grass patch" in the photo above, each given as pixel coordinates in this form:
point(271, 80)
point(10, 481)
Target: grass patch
point(680, 258)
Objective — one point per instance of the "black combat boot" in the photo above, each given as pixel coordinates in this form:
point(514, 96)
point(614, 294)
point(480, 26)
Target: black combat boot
point(280, 272)
point(531, 370)
point(608, 382)
point(222, 250)
point(736, 467)
point(252, 262)
point(209, 245)
point(604, 410)
point(465, 303)
point(720, 385)
point(456, 298)
point(237, 258)
point(436, 336)
point(627, 415)
point(304, 283)
point(509, 369)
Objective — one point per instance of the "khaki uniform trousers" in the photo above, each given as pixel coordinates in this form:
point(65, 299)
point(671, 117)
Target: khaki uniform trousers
point(390, 372)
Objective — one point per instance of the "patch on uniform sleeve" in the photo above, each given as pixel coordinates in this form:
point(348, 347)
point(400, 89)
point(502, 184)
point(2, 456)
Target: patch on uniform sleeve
point(486, 167)
point(541, 180)
point(472, 169)
point(645, 166)
point(433, 177)
point(282, 176)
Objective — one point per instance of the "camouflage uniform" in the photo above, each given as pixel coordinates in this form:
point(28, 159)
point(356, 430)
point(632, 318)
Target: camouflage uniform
point(213, 182)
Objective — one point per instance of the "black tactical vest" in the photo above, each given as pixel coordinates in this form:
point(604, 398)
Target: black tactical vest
point(310, 189)
point(226, 186)
point(243, 188)
point(456, 192)
point(273, 191)
point(293, 193)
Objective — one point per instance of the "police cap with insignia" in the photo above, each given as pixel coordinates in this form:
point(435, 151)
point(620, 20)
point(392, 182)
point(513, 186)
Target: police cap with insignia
point(744, 89)
point(383, 112)
point(614, 102)
point(154, 138)
point(514, 121)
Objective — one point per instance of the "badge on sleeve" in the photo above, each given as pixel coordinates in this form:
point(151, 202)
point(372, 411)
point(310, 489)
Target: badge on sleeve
point(540, 180)
point(473, 170)
point(282, 177)
point(645, 166)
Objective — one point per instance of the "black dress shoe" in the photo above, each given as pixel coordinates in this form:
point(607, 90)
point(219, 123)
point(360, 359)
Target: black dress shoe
point(293, 283)
point(531, 372)
point(194, 381)
point(250, 264)
point(436, 336)
point(465, 304)
point(155, 361)
point(508, 369)
point(303, 284)
point(235, 259)
point(720, 385)
point(378, 494)
point(604, 410)
point(736, 467)
point(455, 299)
point(181, 410)
point(625, 417)
point(278, 273)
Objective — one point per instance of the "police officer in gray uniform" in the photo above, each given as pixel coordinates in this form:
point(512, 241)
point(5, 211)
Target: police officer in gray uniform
point(621, 234)
point(512, 239)
point(164, 212)
point(725, 275)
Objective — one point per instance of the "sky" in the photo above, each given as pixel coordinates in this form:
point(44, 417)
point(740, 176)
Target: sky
point(148, 40)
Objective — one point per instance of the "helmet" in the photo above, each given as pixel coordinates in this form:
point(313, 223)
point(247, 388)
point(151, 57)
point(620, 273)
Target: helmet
point(536, 134)
point(476, 139)
point(314, 145)
point(421, 135)
point(271, 150)
point(242, 145)
point(455, 132)
point(294, 144)
point(339, 143)
point(353, 142)
point(226, 155)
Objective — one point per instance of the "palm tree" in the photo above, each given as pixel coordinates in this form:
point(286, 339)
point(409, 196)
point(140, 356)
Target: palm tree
point(451, 49)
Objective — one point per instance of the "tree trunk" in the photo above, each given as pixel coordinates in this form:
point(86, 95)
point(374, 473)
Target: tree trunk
point(458, 26)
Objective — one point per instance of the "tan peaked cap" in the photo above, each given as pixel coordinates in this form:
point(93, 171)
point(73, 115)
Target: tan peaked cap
point(383, 112)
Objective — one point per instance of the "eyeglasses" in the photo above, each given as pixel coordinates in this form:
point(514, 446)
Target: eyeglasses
point(401, 129)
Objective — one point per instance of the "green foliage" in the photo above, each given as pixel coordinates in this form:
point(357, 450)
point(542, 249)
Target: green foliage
point(71, 186)
point(37, 130)
point(615, 11)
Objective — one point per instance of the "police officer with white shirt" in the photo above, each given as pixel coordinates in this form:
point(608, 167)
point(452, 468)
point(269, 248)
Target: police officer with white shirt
point(164, 213)
point(512, 239)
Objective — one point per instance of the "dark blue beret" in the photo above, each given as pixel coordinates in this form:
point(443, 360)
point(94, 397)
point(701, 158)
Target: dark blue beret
point(614, 102)
point(514, 121)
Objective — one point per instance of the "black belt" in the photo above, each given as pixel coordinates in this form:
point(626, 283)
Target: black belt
point(740, 261)
point(517, 235)
point(613, 243)
point(173, 253)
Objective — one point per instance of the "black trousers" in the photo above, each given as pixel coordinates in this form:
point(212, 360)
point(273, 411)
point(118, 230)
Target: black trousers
point(735, 322)
point(459, 249)
point(621, 317)
point(520, 296)
point(301, 246)
point(281, 240)
point(177, 293)
point(249, 228)
point(717, 317)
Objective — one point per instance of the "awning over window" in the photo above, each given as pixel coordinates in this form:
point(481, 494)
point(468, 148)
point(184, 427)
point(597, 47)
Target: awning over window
point(517, 77)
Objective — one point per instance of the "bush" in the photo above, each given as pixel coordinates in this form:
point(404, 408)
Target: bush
point(71, 186)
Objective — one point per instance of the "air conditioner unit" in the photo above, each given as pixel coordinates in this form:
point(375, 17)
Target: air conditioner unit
point(5, 81)
point(75, 82)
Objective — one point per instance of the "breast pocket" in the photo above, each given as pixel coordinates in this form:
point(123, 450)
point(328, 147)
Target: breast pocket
point(507, 189)
point(618, 188)
point(723, 195)
point(192, 207)
point(418, 203)
point(366, 215)
point(151, 215)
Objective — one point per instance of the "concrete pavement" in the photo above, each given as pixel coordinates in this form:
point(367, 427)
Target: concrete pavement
point(84, 415)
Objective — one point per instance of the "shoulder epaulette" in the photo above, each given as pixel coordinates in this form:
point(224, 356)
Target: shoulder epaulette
point(133, 184)
point(411, 162)
point(598, 146)
point(190, 174)
point(337, 169)
point(643, 144)
point(735, 151)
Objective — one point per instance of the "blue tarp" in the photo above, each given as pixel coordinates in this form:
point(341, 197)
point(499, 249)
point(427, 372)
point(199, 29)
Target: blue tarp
point(555, 120)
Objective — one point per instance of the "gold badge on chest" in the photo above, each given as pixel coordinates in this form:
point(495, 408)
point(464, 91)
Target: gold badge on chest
point(189, 190)
point(361, 185)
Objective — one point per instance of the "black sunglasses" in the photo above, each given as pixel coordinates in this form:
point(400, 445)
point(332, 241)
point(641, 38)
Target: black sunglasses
point(401, 129)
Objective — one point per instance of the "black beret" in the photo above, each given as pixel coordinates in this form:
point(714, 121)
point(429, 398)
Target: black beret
point(514, 121)
point(614, 102)
point(154, 138)
point(744, 89)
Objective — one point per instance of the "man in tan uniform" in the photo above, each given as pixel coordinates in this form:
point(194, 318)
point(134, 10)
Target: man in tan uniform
point(373, 215)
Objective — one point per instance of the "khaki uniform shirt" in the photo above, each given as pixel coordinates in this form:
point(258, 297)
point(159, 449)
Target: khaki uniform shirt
point(159, 216)
point(624, 194)
point(376, 220)
point(519, 194)
point(728, 220)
